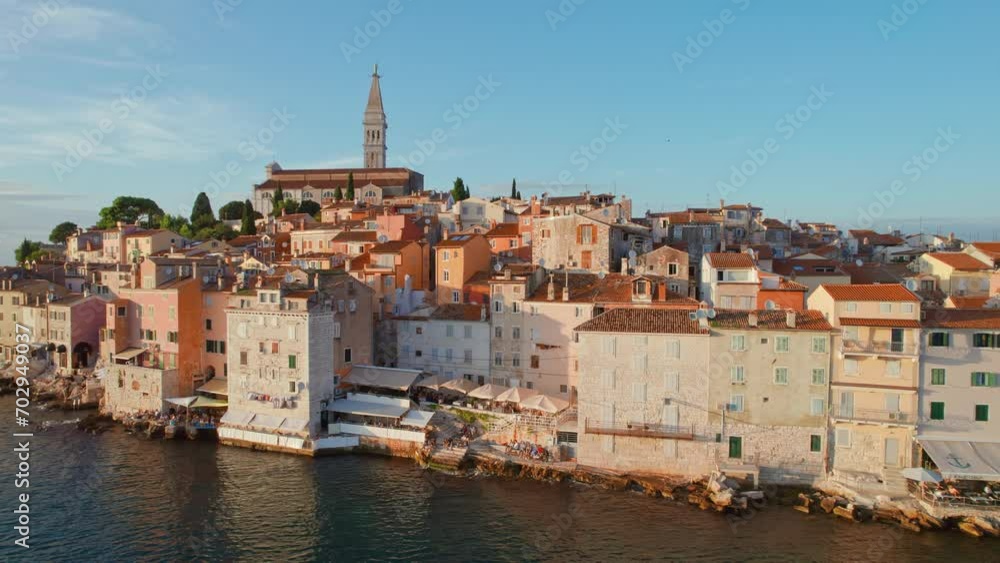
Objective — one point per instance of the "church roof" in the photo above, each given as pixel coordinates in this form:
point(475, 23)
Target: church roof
point(375, 95)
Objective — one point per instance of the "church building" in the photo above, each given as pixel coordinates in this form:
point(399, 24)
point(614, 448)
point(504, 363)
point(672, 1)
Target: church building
point(371, 183)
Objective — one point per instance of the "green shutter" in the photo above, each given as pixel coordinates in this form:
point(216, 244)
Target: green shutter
point(993, 379)
point(982, 413)
point(735, 447)
point(938, 376)
point(815, 443)
point(937, 411)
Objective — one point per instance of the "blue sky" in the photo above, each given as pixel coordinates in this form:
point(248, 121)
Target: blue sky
point(201, 81)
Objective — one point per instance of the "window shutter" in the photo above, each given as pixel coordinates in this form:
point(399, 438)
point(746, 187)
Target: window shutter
point(579, 234)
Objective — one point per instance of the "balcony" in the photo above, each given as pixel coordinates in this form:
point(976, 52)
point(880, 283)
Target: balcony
point(878, 348)
point(842, 413)
point(639, 430)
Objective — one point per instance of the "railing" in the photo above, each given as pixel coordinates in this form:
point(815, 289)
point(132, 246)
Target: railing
point(567, 415)
point(639, 429)
point(873, 415)
point(972, 499)
point(876, 347)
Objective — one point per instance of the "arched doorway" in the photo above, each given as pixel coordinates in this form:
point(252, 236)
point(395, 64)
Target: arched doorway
point(81, 355)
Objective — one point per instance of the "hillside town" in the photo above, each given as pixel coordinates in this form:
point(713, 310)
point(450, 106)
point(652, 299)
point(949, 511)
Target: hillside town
point(356, 309)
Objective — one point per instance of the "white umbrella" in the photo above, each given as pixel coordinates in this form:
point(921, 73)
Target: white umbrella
point(182, 401)
point(922, 475)
point(545, 403)
point(459, 385)
point(433, 382)
point(516, 395)
point(488, 392)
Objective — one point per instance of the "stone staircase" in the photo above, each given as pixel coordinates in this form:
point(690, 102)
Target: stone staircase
point(894, 482)
point(446, 425)
point(449, 459)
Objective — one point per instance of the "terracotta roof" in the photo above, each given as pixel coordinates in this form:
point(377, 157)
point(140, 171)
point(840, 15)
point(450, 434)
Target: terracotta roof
point(881, 323)
point(356, 236)
point(790, 285)
point(451, 312)
point(681, 217)
point(244, 240)
point(393, 246)
point(870, 292)
point(962, 302)
point(504, 230)
point(457, 241)
point(614, 288)
point(769, 320)
point(991, 249)
point(648, 321)
point(770, 223)
point(730, 260)
point(807, 267)
point(763, 251)
point(359, 262)
point(875, 239)
point(877, 273)
point(960, 261)
point(963, 318)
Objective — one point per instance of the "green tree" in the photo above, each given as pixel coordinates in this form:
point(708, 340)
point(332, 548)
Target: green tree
point(130, 209)
point(27, 251)
point(232, 211)
point(248, 226)
point(513, 189)
point(459, 191)
point(61, 231)
point(175, 223)
point(350, 186)
point(309, 206)
point(338, 194)
point(201, 211)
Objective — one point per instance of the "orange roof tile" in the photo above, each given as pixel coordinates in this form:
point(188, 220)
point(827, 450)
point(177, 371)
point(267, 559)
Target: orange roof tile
point(963, 318)
point(883, 323)
point(963, 302)
point(648, 321)
point(504, 230)
point(730, 260)
point(960, 261)
point(870, 292)
point(769, 320)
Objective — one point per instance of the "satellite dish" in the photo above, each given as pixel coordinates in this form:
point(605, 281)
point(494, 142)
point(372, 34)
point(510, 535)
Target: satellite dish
point(911, 285)
point(859, 262)
point(270, 271)
point(693, 316)
point(427, 221)
point(631, 262)
point(602, 274)
point(712, 313)
point(205, 279)
point(497, 267)
point(383, 239)
point(168, 270)
point(541, 262)
point(632, 254)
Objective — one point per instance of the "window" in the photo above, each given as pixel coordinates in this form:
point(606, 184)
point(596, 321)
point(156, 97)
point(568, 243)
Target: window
point(735, 447)
point(843, 438)
point(738, 343)
point(819, 344)
point(736, 403)
point(850, 366)
point(444, 256)
point(885, 308)
point(817, 406)
point(515, 360)
point(498, 307)
point(984, 379)
point(515, 333)
point(673, 349)
point(982, 413)
point(892, 368)
point(291, 361)
point(815, 443)
point(639, 363)
point(498, 358)
point(851, 307)
point(819, 376)
point(535, 361)
point(781, 344)
point(639, 392)
point(274, 347)
point(498, 332)
point(563, 389)
point(986, 340)
point(467, 356)
point(736, 375)
point(456, 297)
point(907, 307)
point(609, 346)
point(348, 356)
point(293, 386)
point(938, 376)
point(208, 324)
point(781, 376)
point(937, 411)
point(468, 331)
point(449, 331)
point(940, 339)
point(608, 379)
point(445, 275)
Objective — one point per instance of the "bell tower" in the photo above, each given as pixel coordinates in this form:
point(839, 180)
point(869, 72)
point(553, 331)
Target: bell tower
point(375, 126)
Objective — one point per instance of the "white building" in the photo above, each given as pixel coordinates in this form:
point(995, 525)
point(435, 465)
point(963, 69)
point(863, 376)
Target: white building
point(448, 340)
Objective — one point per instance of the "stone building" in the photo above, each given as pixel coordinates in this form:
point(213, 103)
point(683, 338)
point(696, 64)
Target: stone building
point(586, 244)
point(450, 341)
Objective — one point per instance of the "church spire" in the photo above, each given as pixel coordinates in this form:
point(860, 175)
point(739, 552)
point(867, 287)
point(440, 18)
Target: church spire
point(375, 125)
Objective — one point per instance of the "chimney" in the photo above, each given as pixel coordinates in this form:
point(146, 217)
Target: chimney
point(302, 224)
point(482, 312)
point(219, 281)
point(236, 286)
point(690, 216)
point(790, 318)
point(260, 281)
point(722, 203)
point(194, 270)
point(283, 212)
point(625, 266)
point(752, 319)
point(316, 281)
point(552, 288)
point(444, 234)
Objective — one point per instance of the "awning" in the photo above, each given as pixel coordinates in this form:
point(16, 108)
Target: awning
point(267, 421)
point(462, 386)
point(921, 475)
point(130, 353)
point(417, 419)
point(182, 401)
point(365, 408)
point(488, 391)
point(545, 403)
point(432, 382)
point(217, 386)
point(208, 403)
point(237, 418)
point(383, 378)
point(979, 461)
point(516, 395)
point(294, 425)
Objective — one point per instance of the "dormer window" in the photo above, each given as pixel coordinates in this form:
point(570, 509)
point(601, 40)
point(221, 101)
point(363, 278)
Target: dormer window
point(640, 287)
